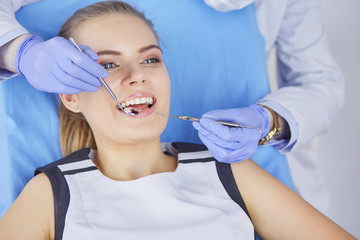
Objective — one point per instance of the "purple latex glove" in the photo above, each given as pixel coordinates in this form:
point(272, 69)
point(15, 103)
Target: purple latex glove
point(233, 144)
point(56, 66)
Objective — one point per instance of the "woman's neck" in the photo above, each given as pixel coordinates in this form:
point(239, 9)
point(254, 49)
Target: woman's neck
point(129, 162)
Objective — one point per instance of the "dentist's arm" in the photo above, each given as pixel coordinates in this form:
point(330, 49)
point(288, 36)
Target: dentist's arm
point(311, 86)
point(54, 65)
point(11, 35)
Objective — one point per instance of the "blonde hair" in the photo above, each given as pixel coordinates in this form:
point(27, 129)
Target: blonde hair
point(75, 132)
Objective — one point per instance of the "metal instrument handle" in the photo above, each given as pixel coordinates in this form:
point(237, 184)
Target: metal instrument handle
point(229, 124)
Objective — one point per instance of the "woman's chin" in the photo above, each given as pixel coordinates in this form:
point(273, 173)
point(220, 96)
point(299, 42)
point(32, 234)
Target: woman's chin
point(141, 134)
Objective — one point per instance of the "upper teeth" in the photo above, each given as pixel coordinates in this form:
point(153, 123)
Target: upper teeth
point(142, 100)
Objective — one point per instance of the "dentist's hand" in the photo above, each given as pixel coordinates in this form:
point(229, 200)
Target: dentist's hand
point(233, 144)
point(56, 66)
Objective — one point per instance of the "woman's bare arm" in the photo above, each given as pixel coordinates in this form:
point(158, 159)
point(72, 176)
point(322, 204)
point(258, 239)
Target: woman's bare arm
point(32, 214)
point(278, 212)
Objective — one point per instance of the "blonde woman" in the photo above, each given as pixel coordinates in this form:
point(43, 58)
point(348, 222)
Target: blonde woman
point(120, 182)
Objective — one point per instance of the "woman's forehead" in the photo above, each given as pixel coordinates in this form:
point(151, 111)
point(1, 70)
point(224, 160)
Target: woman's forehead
point(116, 26)
point(114, 29)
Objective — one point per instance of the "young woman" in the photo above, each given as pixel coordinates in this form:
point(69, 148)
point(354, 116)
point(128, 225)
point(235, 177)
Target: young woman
point(120, 182)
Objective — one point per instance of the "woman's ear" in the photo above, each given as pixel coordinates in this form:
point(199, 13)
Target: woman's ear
point(70, 101)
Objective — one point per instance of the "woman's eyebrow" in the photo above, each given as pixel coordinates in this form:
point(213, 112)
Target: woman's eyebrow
point(146, 48)
point(109, 52)
point(117, 53)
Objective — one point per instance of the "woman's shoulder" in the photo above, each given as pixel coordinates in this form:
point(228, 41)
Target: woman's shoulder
point(32, 212)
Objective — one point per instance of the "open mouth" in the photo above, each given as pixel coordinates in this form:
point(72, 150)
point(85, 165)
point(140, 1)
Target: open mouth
point(137, 104)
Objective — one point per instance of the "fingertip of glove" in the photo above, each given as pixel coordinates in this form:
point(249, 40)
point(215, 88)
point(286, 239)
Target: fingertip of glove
point(105, 74)
point(94, 56)
point(196, 125)
point(101, 75)
point(206, 120)
point(91, 54)
point(212, 114)
point(101, 72)
point(209, 123)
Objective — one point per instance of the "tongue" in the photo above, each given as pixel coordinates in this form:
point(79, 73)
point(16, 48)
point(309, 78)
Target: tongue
point(139, 106)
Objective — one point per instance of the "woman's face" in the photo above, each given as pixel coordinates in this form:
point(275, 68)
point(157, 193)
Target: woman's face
point(129, 51)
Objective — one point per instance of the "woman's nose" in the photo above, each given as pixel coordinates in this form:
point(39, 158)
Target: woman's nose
point(135, 75)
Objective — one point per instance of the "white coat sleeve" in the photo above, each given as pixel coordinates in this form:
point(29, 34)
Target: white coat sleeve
point(9, 27)
point(311, 86)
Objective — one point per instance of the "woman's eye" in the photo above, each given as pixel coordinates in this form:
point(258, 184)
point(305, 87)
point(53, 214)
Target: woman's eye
point(152, 60)
point(108, 65)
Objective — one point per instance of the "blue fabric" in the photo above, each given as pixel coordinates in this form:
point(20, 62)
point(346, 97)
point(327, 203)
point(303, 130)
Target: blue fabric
point(215, 61)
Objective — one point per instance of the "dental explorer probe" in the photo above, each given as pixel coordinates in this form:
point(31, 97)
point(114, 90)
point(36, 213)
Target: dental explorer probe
point(127, 110)
point(195, 119)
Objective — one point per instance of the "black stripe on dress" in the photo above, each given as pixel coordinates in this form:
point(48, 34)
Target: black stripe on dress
point(228, 181)
point(61, 198)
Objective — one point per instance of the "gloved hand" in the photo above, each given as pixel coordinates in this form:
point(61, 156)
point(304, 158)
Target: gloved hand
point(57, 66)
point(233, 144)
